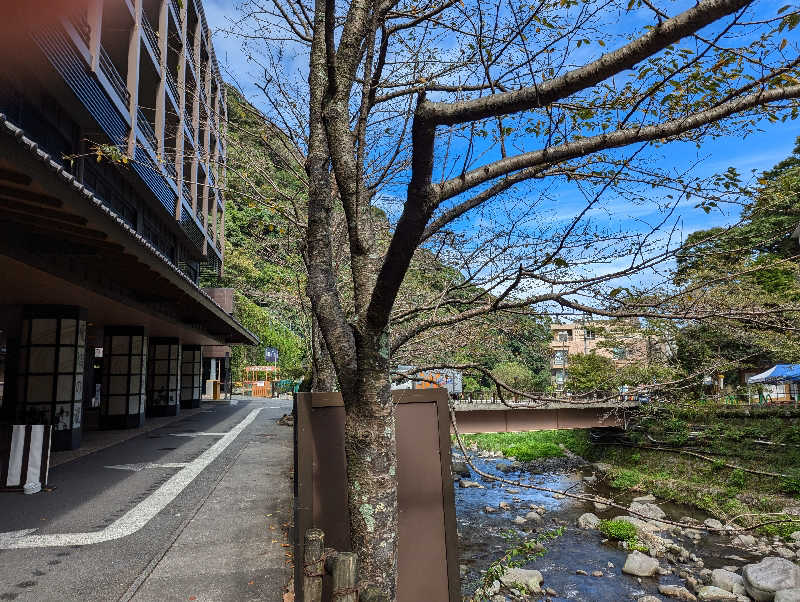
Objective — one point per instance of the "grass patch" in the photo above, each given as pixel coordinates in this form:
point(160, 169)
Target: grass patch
point(532, 445)
point(622, 530)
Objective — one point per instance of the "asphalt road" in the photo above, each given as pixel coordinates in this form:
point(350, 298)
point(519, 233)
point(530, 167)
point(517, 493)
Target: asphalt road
point(119, 524)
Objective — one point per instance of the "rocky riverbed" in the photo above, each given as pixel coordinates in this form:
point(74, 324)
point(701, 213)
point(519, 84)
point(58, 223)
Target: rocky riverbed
point(562, 555)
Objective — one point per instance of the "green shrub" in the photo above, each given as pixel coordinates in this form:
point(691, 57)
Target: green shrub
point(791, 485)
point(621, 530)
point(738, 479)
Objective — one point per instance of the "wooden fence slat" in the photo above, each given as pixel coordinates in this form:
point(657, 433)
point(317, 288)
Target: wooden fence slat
point(344, 578)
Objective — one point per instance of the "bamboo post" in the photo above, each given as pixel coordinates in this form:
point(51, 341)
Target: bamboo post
point(344, 578)
point(313, 565)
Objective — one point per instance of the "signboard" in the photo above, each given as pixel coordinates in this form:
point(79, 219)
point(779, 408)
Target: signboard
point(444, 378)
point(271, 354)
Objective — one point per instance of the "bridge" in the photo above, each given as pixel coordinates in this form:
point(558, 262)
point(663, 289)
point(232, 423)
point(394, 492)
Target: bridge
point(488, 417)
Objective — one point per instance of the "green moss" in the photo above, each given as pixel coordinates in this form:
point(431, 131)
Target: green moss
point(626, 479)
point(622, 530)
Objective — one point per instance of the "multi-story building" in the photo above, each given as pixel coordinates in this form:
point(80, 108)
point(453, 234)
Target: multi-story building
point(622, 343)
point(112, 164)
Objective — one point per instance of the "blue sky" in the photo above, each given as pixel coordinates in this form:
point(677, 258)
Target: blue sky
point(758, 151)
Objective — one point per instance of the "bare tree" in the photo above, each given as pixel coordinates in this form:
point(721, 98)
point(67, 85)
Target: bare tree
point(446, 113)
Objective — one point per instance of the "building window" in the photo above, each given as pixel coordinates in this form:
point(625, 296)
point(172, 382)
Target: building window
point(590, 335)
point(559, 377)
point(620, 353)
point(564, 335)
point(560, 357)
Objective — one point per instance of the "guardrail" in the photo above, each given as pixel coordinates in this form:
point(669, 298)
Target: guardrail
point(115, 79)
point(146, 128)
point(151, 36)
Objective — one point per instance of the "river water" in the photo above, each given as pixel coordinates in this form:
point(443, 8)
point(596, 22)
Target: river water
point(484, 537)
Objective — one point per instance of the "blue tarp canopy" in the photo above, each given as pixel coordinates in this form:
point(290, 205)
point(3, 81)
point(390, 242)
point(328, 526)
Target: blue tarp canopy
point(780, 373)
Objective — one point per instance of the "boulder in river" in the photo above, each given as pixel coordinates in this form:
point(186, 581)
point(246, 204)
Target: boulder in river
point(489, 509)
point(744, 541)
point(644, 499)
point(530, 579)
point(600, 507)
point(464, 484)
point(647, 509)
point(649, 599)
point(677, 591)
point(713, 523)
point(728, 581)
point(519, 521)
point(763, 579)
point(640, 565)
point(588, 520)
point(533, 517)
point(785, 553)
point(504, 506)
point(711, 593)
point(509, 467)
point(460, 467)
point(795, 535)
point(788, 595)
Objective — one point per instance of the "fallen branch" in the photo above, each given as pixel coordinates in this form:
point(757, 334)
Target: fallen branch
point(728, 527)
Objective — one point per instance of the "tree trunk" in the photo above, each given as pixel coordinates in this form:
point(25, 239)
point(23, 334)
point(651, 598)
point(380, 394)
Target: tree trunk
point(323, 376)
point(372, 467)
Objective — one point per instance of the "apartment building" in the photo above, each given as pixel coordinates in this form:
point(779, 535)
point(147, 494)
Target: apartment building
point(112, 165)
point(622, 343)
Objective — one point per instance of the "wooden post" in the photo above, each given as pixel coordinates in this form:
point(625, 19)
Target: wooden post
point(313, 565)
point(372, 594)
point(344, 578)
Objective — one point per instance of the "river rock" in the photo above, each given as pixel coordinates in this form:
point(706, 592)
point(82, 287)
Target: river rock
point(795, 535)
point(558, 496)
point(649, 599)
point(464, 484)
point(785, 553)
point(489, 509)
point(602, 466)
point(587, 520)
point(460, 468)
point(512, 491)
point(647, 509)
point(763, 579)
point(519, 520)
point(600, 507)
point(644, 499)
point(504, 506)
point(788, 595)
point(710, 593)
point(597, 573)
point(509, 467)
point(530, 579)
point(743, 540)
point(533, 517)
point(793, 510)
point(581, 572)
point(677, 591)
point(640, 565)
point(713, 523)
point(728, 581)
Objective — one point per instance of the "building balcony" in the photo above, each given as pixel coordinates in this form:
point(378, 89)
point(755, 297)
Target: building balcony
point(115, 79)
point(152, 38)
point(173, 88)
point(80, 21)
point(146, 129)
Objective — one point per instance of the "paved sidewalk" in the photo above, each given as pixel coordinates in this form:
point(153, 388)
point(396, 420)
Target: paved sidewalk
point(235, 546)
point(93, 441)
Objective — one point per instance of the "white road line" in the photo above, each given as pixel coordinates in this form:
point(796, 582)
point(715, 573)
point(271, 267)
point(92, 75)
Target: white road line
point(197, 434)
point(143, 465)
point(138, 516)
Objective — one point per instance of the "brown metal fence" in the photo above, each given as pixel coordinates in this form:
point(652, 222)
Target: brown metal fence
point(427, 538)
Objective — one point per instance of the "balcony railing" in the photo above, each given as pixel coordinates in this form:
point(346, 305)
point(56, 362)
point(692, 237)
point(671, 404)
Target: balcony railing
point(186, 192)
point(151, 36)
point(115, 79)
point(169, 165)
point(144, 126)
point(81, 22)
point(172, 85)
point(174, 4)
